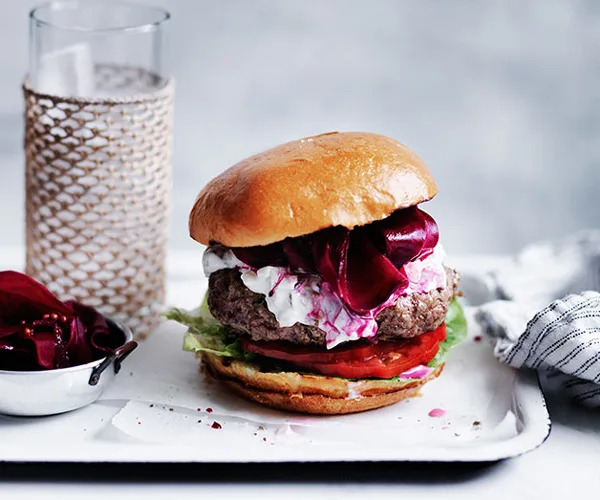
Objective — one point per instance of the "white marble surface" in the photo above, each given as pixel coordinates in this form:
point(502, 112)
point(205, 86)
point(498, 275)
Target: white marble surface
point(501, 99)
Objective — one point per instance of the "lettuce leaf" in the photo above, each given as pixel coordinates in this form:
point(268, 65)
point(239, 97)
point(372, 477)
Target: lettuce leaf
point(456, 332)
point(206, 334)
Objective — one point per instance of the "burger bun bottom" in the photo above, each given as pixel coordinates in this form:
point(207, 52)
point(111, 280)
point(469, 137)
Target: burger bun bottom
point(312, 394)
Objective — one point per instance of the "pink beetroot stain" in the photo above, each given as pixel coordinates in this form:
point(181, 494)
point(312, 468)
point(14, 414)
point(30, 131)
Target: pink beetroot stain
point(437, 413)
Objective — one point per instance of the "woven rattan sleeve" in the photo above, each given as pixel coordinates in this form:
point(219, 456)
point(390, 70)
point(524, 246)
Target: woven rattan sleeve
point(98, 183)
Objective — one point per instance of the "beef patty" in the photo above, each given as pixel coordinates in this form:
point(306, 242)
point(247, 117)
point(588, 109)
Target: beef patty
point(246, 312)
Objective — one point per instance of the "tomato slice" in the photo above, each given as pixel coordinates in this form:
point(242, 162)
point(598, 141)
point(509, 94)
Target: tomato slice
point(356, 360)
point(358, 350)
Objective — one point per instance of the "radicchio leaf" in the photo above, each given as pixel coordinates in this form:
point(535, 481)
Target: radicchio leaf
point(44, 348)
point(298, 253)
point(39, 332)
point(364, 266)
point(366, 287)
point(90, 335)
point(23, 298)
point(257, 257)
point(405, 234)
point(329, 252)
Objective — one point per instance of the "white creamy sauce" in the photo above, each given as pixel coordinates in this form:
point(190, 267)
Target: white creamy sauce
point(311, 301)
point(353, 391)
point(290, 306)
point(428, 274)
point(216, 258)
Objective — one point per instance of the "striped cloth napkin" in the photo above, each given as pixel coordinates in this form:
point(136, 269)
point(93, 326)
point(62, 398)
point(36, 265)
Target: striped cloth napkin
point(542, 311)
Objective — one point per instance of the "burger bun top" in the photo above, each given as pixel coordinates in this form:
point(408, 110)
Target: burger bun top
point(336, 179)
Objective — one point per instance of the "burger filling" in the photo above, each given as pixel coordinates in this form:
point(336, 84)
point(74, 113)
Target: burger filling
point(372, 302)
point(294, 299)
point(248, 312)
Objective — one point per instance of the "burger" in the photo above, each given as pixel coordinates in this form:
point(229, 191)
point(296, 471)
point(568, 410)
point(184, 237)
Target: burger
point(328, 292)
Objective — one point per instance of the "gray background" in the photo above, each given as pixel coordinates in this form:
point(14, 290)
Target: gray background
point(501, 99)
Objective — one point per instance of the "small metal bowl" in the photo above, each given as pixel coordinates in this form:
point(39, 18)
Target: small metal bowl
point(48, 392)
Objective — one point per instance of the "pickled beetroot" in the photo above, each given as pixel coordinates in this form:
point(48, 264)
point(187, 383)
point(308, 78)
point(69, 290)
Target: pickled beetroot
point(39, 332)
point(364, 265)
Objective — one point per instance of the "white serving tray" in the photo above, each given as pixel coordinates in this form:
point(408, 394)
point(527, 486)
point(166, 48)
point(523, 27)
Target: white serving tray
point(157, 412)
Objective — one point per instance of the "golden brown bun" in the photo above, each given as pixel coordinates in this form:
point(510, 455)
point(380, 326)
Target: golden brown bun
point(337, 179)
point(321, 395)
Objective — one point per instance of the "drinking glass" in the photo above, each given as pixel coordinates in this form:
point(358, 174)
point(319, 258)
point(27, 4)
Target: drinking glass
point(98, 127)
